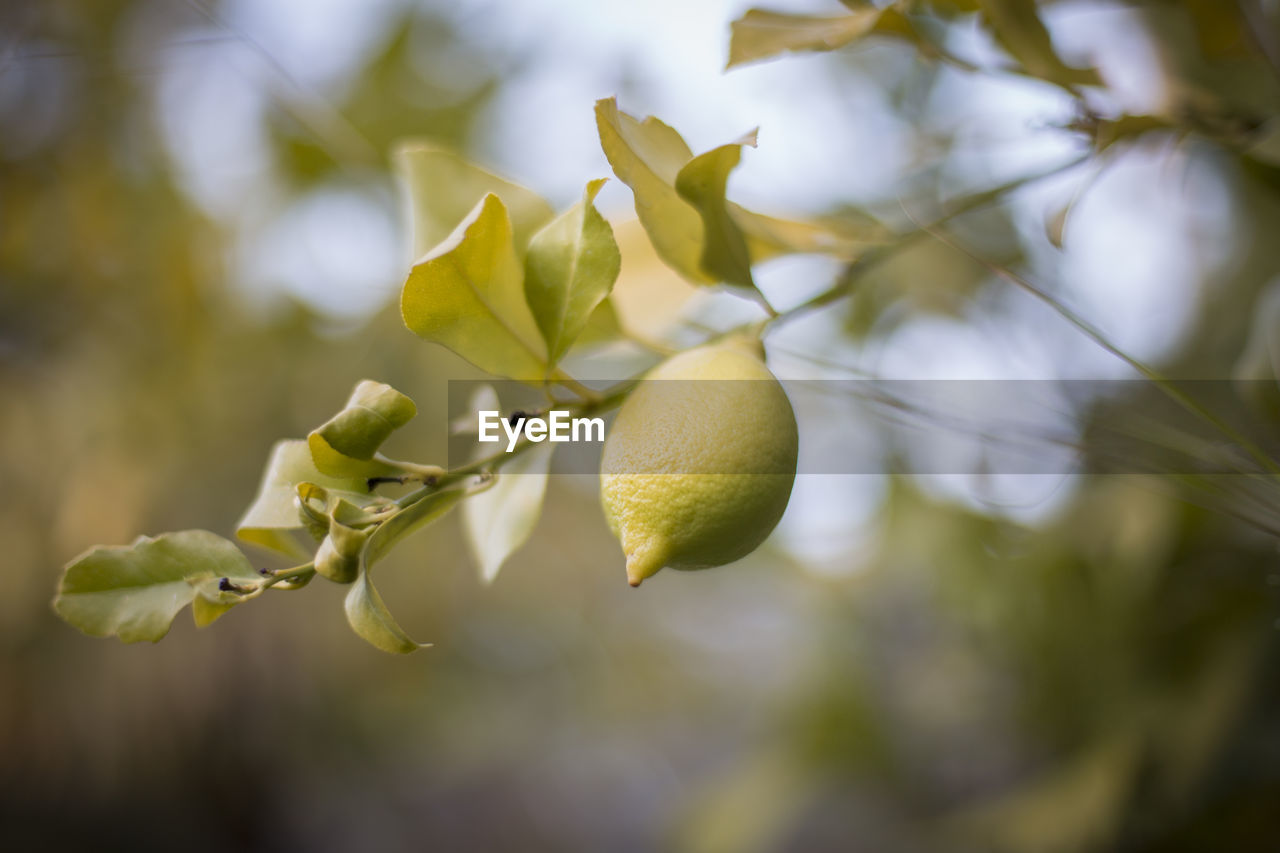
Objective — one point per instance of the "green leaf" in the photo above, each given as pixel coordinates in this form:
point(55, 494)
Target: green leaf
point(366, 612)
point(569, 270)
point(346, 444)
point(646, 156)
point(702, 183)
point(761, 34)
point(468, 295)
point(371, 620)
point(443, 188)
point(134, 592)
point(413, 517)
point(500, 519)
point(1017, 27)
point(273, 515)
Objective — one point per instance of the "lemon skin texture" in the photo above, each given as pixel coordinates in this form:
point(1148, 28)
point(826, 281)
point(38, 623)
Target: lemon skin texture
point(695, 473)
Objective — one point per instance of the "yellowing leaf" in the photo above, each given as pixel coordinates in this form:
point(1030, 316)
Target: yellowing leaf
point(761, 34)
point(570, 268)
point(134, 592)
point(443, 188)
point(646, 156)
point(702, 182)
point(771, 237)
point(468, 295)
point(694, 230)
point(346, 444)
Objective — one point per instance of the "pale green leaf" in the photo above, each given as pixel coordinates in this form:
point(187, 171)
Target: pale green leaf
point(413, 517)
point(761, 34)
point(702, 183)
point(366, 612)
point(1017, 27)
point(646, 156)
point(500, 519)
point(346, 444)
point(134, 592)
point(371, 620)
point(468, 295)
point(443, 188)
point(569, 270)
point(273, 516)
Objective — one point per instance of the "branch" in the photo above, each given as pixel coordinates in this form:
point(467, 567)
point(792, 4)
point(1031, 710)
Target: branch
point(856, 269)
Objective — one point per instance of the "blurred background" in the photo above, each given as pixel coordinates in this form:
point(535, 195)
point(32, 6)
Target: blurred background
point(200, 248)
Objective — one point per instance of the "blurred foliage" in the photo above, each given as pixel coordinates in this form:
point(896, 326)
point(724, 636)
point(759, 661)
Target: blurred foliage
point(1105, 680)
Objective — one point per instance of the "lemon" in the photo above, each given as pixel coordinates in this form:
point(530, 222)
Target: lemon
point(695, 473)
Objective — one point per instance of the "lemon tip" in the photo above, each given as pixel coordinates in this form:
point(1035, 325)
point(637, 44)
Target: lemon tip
point(641, 566)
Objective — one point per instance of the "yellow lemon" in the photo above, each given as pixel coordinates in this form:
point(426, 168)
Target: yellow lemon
point(699, 464)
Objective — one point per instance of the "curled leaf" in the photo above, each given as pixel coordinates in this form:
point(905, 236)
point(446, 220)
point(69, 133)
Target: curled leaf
point(366, 612)
point(369, 618)
point(272, 518)
point(346, 445)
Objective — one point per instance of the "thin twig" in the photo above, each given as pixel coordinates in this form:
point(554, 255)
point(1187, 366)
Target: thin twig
point(1096, 335)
